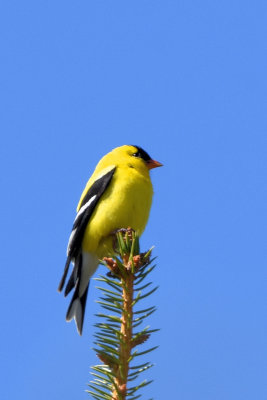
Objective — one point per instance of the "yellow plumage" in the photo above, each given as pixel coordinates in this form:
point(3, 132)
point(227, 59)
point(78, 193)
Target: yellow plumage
point(118, 195)
point(126, 202)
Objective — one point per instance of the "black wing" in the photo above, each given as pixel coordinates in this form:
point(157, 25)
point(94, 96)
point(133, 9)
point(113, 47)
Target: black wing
point(82, 218)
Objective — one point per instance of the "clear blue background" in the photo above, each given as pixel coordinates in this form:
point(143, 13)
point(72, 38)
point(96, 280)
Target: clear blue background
point(186, 80)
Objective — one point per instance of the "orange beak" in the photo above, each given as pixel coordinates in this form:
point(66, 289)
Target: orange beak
point(153, 164)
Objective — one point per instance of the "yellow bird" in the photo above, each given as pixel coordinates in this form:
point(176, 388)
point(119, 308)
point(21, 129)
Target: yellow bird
point(118, 195)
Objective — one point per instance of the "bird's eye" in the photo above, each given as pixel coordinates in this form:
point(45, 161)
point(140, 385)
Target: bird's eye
point(136, 155)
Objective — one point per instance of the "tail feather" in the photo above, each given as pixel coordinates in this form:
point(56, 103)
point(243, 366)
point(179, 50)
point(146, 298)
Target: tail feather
point(76, 272)
point(76, 308)
point(71, 283)
point(85, 265)
point(65, 273)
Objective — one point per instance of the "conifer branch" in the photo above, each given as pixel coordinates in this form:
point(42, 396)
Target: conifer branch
point(117, 338)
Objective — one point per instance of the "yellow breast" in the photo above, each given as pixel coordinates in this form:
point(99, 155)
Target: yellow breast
point(126, 203)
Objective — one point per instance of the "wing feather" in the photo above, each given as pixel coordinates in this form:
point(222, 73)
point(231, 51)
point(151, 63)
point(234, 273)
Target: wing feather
point(86, 209)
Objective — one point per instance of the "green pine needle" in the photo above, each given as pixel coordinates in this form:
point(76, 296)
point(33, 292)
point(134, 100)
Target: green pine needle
point(109, 340)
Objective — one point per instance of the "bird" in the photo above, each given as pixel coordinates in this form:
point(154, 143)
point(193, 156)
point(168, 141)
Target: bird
point(118, 195)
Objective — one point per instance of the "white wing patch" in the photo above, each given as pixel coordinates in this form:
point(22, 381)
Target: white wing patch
point(83, 208)
point(80, 212)
point(70, 240)
point(95, 177)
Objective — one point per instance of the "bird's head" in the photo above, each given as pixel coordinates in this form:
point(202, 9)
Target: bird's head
point(133, 157)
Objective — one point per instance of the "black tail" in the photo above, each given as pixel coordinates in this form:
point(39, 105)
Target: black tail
point(65, 273)
point(76, 308)
point(85, 265)
point(76, 273)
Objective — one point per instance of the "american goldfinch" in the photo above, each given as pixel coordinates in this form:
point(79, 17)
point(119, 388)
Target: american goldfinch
point(118, 195)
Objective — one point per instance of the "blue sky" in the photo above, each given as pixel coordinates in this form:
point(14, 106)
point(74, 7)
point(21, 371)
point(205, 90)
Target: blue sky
point(186, 80)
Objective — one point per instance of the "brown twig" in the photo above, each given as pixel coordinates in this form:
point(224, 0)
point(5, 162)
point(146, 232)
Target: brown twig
point(127, 270)
point(127, 281)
